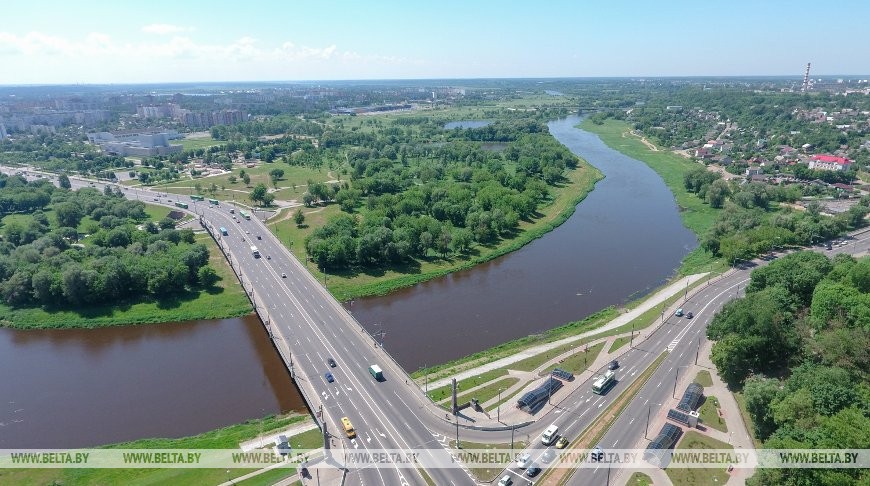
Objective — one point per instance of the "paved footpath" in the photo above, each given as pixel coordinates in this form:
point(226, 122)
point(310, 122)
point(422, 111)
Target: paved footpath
point(620, 320)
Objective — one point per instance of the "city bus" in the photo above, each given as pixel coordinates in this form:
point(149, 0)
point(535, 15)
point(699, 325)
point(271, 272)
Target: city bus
point(197, 198)
point(181, 205)
point(214, 202)
point(223, 231)
point(245, 214)
point(603, 383)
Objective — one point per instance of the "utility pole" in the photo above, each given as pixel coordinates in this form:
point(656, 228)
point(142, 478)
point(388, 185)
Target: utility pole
point(698, 351)
point(646, 430)
point(675, 382)
point(458, 445)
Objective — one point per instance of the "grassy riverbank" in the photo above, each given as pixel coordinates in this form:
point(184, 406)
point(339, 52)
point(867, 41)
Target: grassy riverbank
point(224, 438)
point(695, 213)
point(579, 183)
point(225, 299)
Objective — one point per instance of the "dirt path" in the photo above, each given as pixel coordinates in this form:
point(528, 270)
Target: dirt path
point(643, 140)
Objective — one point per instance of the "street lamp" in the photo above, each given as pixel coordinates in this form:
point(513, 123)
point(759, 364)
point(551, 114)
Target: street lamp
point(498, 409)
point(648, 413)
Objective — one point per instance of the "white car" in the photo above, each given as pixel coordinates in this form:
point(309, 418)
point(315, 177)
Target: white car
point(524, 460)
point(505, 481)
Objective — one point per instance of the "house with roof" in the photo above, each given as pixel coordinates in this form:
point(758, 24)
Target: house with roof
point(829, 162)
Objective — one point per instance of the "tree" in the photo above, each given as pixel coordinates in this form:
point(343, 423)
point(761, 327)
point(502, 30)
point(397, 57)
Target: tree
point(207, 276)
point(64, 182)
point(259, 193)
point(247, 179)
point(759, 393)
point(68, 214)
point(717, 193)
point(308, 199)
point(232, 179)
point(299, 218)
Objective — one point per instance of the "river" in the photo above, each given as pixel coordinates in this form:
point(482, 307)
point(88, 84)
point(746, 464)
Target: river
point(624, 239)
point(79, 388)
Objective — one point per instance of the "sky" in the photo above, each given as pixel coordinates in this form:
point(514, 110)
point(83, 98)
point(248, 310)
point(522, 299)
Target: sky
point(102, 42)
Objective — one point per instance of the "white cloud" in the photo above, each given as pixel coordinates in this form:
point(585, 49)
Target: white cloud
point(36, 57)
point(163, 29)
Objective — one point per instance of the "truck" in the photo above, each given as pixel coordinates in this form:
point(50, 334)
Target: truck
point(603, 383)
point(224, 231)
point(376, 372)
point(255, 252)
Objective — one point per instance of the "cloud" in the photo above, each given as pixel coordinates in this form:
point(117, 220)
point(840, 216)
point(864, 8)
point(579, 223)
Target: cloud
point(36, 57)
point(163, 29)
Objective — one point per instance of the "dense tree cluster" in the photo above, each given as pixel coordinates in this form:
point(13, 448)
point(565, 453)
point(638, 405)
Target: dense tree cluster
point(43, 261)
point(798, 344)
point(418, 199)
point(270, 126)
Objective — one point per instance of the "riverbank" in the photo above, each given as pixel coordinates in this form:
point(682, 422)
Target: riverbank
point(226, 299)
point(231, 437)
point(580, 182)
point(696, 215)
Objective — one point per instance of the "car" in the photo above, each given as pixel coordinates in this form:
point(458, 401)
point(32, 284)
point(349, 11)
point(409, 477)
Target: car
point(268, 257)
point(524, 460)
point(689, 315)
point(330, 362)
point(505, 481)
point(259, 237)
point(828, 246)
point(597, 454)
point(562, 442)
point(247, 232)
point(533, 471)
point(329, 377)
point(283, 275)
point(613, 365)
point(304, 472)
point(679, 313)
point(548, 455)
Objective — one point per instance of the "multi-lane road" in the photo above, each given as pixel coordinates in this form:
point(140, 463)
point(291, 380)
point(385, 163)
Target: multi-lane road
point(309, 326)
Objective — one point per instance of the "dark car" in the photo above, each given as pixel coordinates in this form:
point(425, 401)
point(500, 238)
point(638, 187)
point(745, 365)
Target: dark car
point(259, 237)
point(331, 362)
point(329, 377)
point(304, 472)
point(613, 365)
point(828, 246)
point(689, 315)
point(533, 471)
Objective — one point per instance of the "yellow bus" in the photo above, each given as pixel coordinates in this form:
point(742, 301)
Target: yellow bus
point(348, 427)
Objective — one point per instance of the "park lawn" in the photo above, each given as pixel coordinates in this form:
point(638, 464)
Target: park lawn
point(690, 476)
point(709, 414)
point(156, 212)
point(578, 362)
point(443, 392)
point(224, 438)
point(239, 191)
point(704, 379)
point(196, 143)
point(367, 282)
point(226, 299)
point(487, 475)
point(618, 343)
point(488, 392)
point(639, 479)
point(696, 214)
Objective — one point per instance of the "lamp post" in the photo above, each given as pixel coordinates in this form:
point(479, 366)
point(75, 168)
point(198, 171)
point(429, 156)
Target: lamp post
point(498, 407)
point(648, 413)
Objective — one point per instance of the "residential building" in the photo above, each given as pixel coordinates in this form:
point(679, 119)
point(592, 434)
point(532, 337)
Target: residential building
point(829, 162)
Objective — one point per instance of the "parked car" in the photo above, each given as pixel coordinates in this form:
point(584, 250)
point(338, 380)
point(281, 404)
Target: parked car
point(259, 237)
point(562, 442)
point(283, 275)
point(679, 313)
point(330, 362)
point(613, 365)
point(329, 377)
point(524, 460)
point(505, 481)
point(533, 471)
point(689, 315)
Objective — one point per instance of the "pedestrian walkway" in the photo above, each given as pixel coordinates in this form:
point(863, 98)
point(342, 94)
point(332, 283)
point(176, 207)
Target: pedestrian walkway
point(268, 440)
point(619, 321)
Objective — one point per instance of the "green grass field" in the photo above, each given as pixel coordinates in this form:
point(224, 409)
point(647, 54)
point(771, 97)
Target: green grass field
point(224, 438)
point(443, 392)
point(704, 379)
point(618, 343)
point(709, 413)
point(195, 143)
point(699, 477)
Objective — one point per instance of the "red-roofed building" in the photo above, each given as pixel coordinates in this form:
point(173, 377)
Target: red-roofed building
point(829, 162)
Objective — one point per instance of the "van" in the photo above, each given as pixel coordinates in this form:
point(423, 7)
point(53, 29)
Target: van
point(376, 372)
point(549, 435)
point(348, 428)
